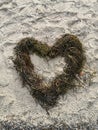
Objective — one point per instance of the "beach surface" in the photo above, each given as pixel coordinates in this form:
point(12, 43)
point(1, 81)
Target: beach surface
point(47, 20)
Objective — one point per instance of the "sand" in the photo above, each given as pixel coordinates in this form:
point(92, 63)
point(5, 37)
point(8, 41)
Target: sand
point(47, 20)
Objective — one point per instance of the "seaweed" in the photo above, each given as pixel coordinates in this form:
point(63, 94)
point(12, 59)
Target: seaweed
point(69, 47)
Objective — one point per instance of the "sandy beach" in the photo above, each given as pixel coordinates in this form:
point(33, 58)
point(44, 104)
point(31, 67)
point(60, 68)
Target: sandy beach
point(47, 20)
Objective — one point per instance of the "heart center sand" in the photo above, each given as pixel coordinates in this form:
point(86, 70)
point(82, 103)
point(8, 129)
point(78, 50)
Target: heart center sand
point(48, 69)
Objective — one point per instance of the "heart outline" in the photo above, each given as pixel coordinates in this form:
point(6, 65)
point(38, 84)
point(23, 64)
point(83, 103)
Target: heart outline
point(69, 47)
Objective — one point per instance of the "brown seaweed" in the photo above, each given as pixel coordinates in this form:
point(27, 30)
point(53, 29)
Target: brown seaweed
point(69, 47)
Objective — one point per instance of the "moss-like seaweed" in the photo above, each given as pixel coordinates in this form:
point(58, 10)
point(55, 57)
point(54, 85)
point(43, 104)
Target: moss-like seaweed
point(69, 47)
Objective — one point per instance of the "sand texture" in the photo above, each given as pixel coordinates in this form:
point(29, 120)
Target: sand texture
point(47, 20)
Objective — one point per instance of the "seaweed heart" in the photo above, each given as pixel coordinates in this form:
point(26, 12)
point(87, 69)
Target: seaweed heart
point(68, 47)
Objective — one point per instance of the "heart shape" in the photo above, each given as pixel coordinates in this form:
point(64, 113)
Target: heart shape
point(69, 47)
